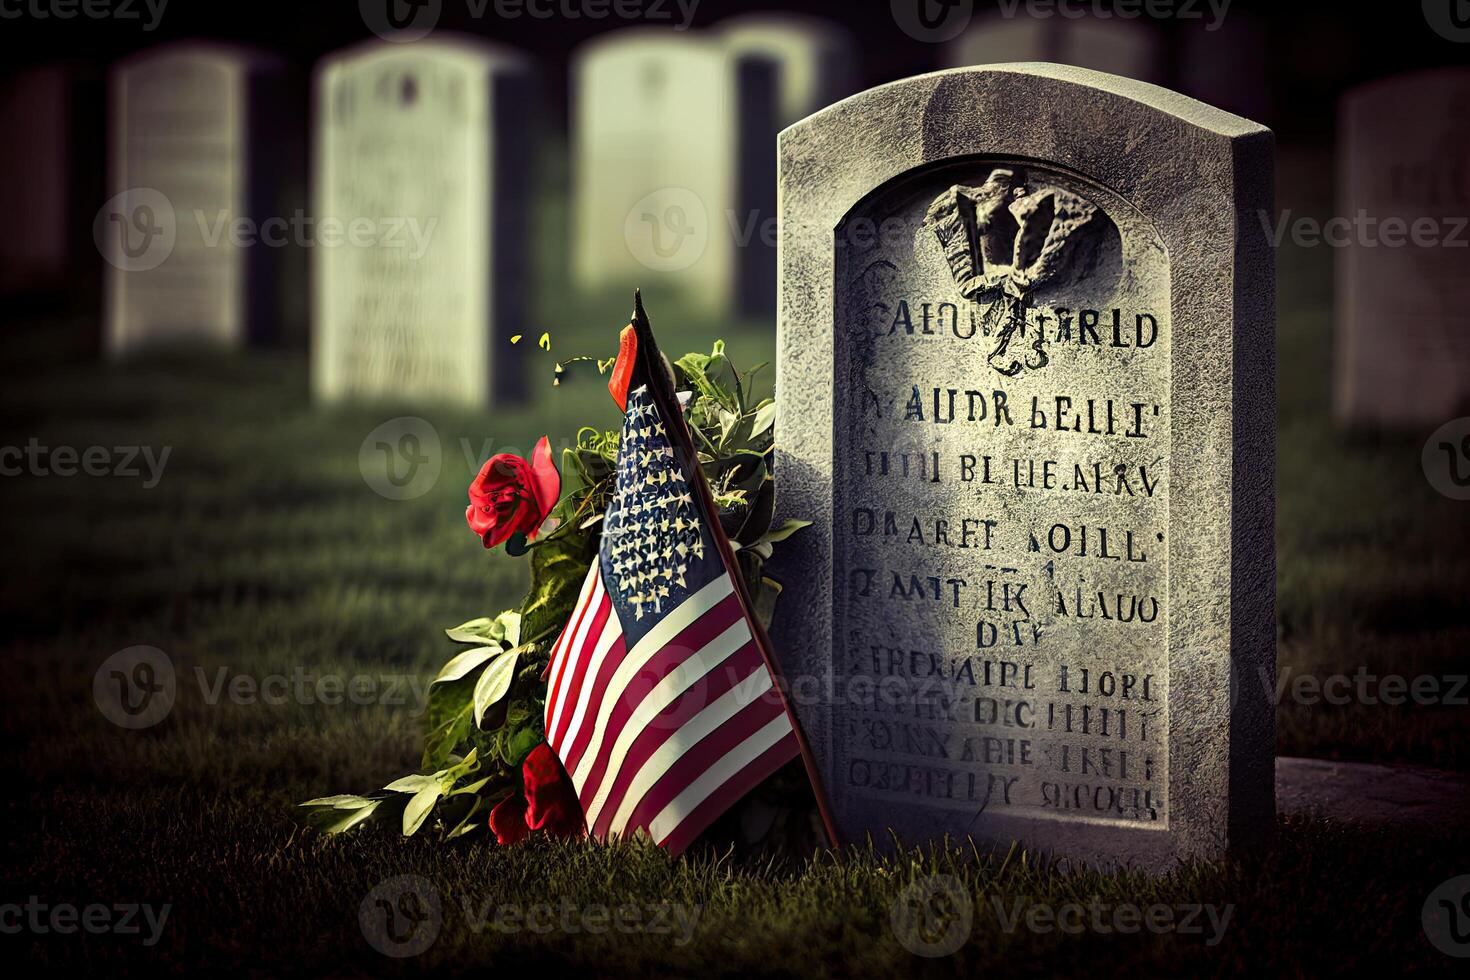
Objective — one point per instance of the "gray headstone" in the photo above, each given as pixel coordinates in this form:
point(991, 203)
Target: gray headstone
point(426, 147)
point(193, 177)
point(1402, 315)
point(671, 188)
point(1132, 48)
point(1026, 393)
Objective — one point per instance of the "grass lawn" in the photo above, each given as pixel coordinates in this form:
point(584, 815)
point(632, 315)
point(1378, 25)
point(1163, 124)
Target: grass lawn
point(262, 561)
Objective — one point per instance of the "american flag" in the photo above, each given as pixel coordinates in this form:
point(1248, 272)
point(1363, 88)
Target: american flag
point(661, 701)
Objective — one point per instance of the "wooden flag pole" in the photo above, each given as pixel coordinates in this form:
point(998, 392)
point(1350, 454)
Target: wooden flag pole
point(668, 403)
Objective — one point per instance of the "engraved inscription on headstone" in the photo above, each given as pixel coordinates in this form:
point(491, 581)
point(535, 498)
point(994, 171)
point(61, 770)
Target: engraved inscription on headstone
point(1402, 313)
point(1026, 392)
point(423, 154)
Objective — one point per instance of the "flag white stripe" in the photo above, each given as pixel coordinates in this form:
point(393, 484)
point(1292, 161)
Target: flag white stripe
point(591, 596)
point(717, 775)
point(662, 634)
point(664, 693)
point(714, 714)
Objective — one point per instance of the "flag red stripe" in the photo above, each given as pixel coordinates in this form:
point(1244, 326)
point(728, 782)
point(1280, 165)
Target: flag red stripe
point(569, 698)
point(668, 723)
point(702, 755)
point(564, 642)
point(747, 779)
point(695, 637)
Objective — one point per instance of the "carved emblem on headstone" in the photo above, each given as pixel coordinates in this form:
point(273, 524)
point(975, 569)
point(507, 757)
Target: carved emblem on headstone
point(1004, 241)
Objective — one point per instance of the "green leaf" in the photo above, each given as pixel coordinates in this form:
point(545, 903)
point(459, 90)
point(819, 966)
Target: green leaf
point(559, 564)
point(494, 682)
point(786, 530)
point(511, 620)
point(412, 783)
point(467, 823)
point(765, 600)
point(450, 724)
point(519, 745)
point(758, 517)
point(475, 631)
point(765, 417)
point(348, 820)
point(460, 665)
point(342, 802)
point(464, 767)
point(713, 376)
point(470, 788)
point(419, 808)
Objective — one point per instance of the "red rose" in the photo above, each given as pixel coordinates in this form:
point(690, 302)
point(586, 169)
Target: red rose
point(513, 495)
point(550, 802)
point(508, 820)
point(552, 799)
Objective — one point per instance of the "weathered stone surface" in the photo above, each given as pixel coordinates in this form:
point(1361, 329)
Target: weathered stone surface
point(428, 145)
point(1038, 445)
point(1405, 797)
point(1402, 351)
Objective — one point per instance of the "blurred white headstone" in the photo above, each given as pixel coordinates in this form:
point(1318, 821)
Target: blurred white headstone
point(188, 195)
point(1402, 345)
point(816, 60)
point(673, 173)
point(1132, 48)
point(421, 167)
